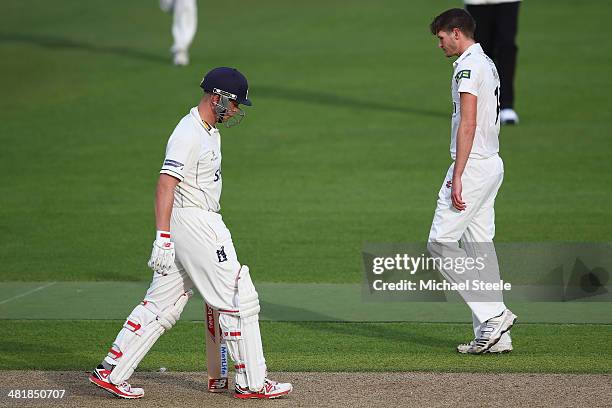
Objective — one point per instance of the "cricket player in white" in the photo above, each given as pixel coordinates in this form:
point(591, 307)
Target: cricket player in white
point(193, 247)
point(184, 27)
point(465, 206)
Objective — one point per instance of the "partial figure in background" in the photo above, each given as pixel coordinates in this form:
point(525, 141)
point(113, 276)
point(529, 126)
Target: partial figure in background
point(184, 27)
point(496, 28)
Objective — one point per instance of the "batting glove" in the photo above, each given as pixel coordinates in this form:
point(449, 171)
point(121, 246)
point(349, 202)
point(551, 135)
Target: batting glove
point(162, 256)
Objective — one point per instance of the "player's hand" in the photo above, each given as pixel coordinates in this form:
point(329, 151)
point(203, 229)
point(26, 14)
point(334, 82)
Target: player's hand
point(162, 256)
point(458, 202)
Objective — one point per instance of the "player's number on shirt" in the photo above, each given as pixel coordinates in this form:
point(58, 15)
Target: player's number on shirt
point(497, 98)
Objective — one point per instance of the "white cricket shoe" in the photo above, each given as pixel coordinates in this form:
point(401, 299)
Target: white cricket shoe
point(495, 349)
point(99, 377)
point(491, 331)
point(181, 58)
point(271, 389)
point(508, 117)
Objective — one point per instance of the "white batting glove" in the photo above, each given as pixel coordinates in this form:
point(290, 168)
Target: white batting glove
point(162, 256)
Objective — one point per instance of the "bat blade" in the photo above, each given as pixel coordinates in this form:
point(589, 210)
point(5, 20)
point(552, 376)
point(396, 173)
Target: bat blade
point(216, 352)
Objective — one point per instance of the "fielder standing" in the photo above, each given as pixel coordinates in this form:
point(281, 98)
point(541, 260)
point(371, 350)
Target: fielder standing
point(465, 206)
point(193, 247)
point(184, 27)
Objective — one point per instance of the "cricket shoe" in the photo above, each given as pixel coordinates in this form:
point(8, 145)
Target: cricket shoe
point(180, 58)
point(491, 331)
point(271, 389)
point(99, 377)
point(508, 117)
point(495, 349)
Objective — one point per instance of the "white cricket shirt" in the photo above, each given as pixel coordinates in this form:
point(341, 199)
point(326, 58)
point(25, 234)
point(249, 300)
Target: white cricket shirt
point(475, 73)
point(193, 155)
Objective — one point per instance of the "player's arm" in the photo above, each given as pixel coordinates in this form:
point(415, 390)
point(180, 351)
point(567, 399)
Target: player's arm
point(465, 140)
point(162, 256)
point(181, 152)
point(164, 199)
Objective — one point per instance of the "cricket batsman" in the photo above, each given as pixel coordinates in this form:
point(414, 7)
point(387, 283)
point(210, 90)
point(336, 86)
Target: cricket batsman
point(465, 206)
point(193, 247)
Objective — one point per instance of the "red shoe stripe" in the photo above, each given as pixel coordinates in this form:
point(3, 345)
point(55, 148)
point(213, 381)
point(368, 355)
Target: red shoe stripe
point(112, 388)
point(259, 395)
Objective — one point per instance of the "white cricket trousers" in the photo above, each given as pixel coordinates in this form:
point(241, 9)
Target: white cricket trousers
point(205, 258)
point(184, 24)
point(480, 181)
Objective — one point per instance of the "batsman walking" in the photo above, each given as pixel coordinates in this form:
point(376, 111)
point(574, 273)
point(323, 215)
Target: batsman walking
point(193, 247)
point(465, 207)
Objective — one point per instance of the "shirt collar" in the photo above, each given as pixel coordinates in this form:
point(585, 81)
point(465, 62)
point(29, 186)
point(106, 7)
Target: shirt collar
point(196, 115)
point(471, 49)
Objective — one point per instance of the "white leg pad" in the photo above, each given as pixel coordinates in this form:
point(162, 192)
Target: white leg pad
point(241, 331)
point(140, 331)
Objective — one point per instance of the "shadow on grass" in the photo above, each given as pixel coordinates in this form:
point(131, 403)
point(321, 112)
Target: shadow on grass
point(329, 326)
point(54, 42)
point(340, 101)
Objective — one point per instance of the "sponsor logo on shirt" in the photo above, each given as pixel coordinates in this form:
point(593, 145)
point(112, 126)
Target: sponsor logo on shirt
point(465, 73)
point(172, 163)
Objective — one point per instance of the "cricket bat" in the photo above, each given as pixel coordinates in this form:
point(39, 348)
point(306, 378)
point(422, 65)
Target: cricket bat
point(216, 352)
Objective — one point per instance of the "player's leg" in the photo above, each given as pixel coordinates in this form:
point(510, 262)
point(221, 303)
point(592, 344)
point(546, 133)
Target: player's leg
point(227, 286)
point(158, 312)
point(482, 230)
point(449, 225)
point(505, 57)
point(488, 308)
point(184, 26)
point(480, 182)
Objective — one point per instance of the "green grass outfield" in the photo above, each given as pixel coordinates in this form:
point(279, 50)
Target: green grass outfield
point(320, 346)
point(347, 143)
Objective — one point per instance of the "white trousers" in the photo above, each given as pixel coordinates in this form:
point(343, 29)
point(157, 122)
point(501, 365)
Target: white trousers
point(205, 258)
point(184, 23)
point(481, 181)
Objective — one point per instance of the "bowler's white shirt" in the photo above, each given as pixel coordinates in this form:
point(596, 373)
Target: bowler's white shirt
point(193, 155)
point(476, 74)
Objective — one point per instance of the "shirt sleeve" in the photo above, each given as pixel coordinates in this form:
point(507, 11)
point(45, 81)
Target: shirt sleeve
point(181, 154)
point(468, 79)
